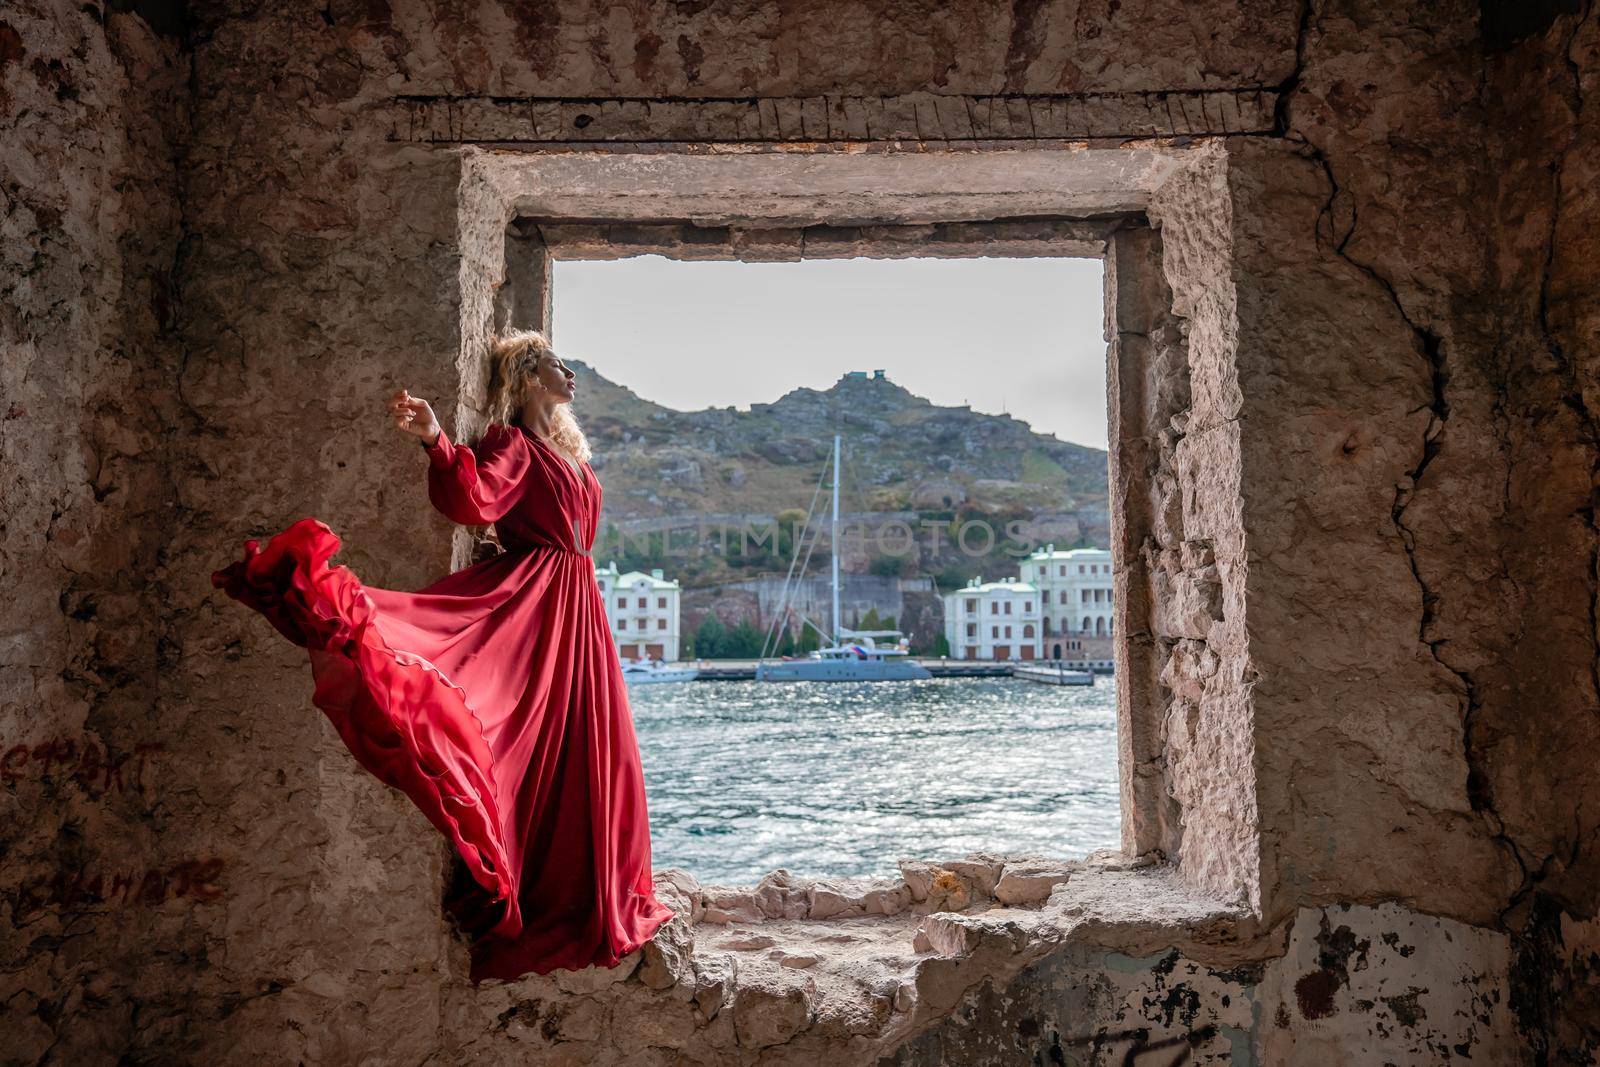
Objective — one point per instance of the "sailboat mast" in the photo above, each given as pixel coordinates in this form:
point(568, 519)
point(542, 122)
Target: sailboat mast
point(835, 552)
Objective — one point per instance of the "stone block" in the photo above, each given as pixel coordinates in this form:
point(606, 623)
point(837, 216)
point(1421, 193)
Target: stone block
point(832, 900)
point(1030, 883)
point(918, 875)
point(945, 934)
point(980, 871)
point(768, 1012)
point(668, 955)
point(850, 1011)
point(782, 895)
point(886, 900)
point(652, 1021)
point(729, 905)
point(713, 978)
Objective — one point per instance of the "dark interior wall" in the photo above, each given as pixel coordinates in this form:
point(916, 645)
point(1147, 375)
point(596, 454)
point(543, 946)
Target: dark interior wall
point(1533, 768)
point(92, 117)
point(320, 275)
point(1541, 91)
point(1456, 179)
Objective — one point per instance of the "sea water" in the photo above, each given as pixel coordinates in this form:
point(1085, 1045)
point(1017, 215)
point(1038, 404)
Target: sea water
point(844, 779)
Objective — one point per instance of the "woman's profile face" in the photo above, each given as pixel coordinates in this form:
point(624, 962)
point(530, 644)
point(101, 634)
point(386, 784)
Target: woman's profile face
point(557, 378)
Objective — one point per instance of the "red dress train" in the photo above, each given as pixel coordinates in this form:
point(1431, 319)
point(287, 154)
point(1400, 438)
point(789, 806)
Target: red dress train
point(494, 699)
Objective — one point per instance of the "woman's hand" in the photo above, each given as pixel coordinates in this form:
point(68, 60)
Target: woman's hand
point(414, 416)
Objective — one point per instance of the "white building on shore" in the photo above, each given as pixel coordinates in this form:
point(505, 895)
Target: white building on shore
point(1076, 592)
point(642, 610)
point(993, 620)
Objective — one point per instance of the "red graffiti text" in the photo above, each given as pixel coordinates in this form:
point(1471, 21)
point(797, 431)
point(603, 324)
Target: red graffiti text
point(88, 890)
point(93, 766)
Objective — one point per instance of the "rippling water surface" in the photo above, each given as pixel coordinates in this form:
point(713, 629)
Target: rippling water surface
point(844, 779)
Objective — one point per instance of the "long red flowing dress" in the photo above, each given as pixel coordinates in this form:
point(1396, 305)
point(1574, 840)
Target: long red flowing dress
point(494, 699)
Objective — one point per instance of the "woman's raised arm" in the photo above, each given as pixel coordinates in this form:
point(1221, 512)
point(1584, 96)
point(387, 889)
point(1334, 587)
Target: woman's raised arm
point(472, 487)
point(476, 488)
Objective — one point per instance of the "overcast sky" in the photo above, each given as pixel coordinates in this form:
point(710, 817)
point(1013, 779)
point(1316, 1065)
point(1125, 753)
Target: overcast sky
point(1021, 336)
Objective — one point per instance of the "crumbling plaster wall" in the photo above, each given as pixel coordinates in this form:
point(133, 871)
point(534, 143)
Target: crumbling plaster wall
point(1354, 984)
point(1479, 236)
point(306, 309)
point(1396, 558)
point(1411, 332)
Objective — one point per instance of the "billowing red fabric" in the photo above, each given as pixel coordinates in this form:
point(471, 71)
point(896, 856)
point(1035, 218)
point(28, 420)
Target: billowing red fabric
point(494, 699)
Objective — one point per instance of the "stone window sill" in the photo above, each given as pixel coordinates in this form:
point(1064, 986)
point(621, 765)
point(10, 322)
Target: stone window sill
point(879, 959)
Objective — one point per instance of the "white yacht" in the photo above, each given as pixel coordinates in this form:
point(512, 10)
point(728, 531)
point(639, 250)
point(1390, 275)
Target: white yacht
point(649, 672)
point(860, 659)
point(849, 655)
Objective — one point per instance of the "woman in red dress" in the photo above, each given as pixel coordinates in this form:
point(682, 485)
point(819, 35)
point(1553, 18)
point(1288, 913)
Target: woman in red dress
point(494, 698)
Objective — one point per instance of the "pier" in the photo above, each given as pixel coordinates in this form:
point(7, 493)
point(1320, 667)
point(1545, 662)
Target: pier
point(737, 670)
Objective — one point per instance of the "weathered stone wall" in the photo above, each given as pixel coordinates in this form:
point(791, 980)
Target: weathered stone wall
point(1194, 551)
point(1373, 588)
point(302, 314)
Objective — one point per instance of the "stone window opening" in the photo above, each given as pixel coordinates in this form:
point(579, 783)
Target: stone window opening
point(1186, 856)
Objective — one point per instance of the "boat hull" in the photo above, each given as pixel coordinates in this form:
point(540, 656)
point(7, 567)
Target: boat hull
point(686, 674)
point(1053, 675)
point(841, 671)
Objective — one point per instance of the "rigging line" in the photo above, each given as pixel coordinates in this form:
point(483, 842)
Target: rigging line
point(810, 510)
point(783, 599)
point(785, 615)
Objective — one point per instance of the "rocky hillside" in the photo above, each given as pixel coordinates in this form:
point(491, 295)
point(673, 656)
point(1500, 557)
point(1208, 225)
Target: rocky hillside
point(901, 453)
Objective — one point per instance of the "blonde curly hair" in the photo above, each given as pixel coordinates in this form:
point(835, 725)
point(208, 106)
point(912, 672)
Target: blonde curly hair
point(513, 370)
